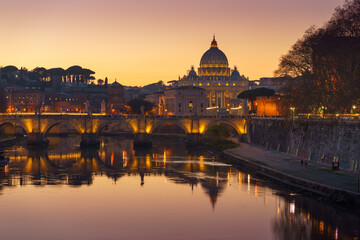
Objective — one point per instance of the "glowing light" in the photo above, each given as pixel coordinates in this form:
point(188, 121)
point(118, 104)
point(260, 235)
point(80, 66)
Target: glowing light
point(164, 158)
point(292, 208)
point(125, 162)
point(202, 129)
point(321, 226)
point(336, 233)
point(201, 165)
point(148, 161)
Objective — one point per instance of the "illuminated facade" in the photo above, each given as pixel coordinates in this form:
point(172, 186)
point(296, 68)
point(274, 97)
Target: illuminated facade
point(222, 84)
point(115, 95)
point(24, 101)
point(185, 101)
point(269, 106)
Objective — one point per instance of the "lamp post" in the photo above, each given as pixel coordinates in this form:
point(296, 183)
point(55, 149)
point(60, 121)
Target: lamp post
point(292, 111)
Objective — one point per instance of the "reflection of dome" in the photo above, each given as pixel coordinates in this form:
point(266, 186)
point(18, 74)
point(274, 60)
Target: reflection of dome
point(235, 75)
point(214, 62)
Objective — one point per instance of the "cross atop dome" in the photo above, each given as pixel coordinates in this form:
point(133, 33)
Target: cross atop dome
point(214, 43)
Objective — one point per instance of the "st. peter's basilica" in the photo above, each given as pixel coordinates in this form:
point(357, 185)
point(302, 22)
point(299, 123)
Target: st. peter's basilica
point(221, 83)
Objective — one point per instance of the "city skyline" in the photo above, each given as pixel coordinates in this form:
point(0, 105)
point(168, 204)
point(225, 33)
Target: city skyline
point(142, 42)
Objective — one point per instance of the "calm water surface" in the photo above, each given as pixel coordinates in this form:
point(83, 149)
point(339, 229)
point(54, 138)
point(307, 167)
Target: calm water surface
point(167, 192)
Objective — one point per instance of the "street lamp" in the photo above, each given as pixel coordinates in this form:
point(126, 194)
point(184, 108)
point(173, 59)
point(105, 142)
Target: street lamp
point(292, 111)
point(353, 109)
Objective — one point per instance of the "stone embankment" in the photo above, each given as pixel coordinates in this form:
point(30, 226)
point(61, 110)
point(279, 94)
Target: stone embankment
point(321, 141)
point(339, 185)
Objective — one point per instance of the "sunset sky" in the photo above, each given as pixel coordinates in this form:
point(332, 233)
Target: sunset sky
point(139, 42)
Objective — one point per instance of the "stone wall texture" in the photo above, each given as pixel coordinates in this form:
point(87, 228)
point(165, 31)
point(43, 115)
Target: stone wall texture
point(322, 141)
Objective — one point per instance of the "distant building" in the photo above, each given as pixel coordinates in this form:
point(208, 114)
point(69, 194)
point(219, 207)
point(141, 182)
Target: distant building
point(131, 93)
point(276, 83)
point(24, 101)
point(153, 88)
point(222, 84)
point(62, 102)
point(115, 98)
point(185, 101)
point(158, 99)
point(269, 106)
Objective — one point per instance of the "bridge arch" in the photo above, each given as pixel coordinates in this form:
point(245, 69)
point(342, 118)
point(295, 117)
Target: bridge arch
point(115, 123)
point(65, 122)
point(239, 129)
point(162, 123)
point(15, 124)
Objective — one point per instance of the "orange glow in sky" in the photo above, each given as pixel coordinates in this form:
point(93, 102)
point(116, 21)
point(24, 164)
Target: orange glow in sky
point(139, 42)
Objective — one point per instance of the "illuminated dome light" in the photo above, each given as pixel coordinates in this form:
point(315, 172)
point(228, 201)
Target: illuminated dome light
point(214, 62)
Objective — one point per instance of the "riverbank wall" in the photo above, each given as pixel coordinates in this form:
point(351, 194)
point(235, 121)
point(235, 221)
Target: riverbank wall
point(322, 141)
point(331, 193)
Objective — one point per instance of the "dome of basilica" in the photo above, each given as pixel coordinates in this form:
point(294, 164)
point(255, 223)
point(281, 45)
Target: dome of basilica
point(214, 57)
point(192, 72)
point(214, 62)
point(235, 75)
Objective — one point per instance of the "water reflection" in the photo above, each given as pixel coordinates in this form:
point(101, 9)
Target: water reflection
point(249, 205)
point(115, 159)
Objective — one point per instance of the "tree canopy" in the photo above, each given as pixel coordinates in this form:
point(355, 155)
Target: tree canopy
point(9, 69)
point(136, 105)
point(325, 64)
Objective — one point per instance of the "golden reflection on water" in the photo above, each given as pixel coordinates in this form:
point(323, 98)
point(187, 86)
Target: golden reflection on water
point(150, 188)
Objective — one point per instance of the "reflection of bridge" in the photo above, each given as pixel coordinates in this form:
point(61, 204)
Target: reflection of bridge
point(89, 126)
point(115, 160)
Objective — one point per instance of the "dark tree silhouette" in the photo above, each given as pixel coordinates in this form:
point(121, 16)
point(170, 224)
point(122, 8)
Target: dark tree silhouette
point(136, 105)
point(325, 64)
point(9, 69)
point(79, 74)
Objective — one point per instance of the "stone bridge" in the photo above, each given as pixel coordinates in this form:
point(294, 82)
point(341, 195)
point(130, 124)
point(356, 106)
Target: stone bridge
point(37, 126)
